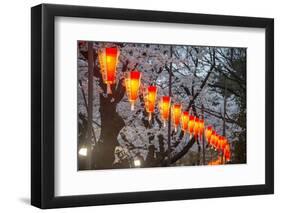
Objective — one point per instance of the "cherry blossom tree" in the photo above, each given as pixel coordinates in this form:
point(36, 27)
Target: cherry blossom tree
point(208, 81)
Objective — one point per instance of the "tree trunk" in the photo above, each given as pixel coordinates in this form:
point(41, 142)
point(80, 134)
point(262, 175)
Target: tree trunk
point(90, 102)
point(111, 124)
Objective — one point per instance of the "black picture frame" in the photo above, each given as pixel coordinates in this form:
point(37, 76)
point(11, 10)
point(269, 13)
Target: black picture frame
point(43, 102)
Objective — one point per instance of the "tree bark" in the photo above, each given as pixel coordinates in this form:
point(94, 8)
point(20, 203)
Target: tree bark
point(111, 124)
point(90, 102)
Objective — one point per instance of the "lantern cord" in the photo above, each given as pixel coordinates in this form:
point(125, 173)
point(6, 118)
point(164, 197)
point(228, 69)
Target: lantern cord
point(108, 89)
point(149, 117)
point(132, 106)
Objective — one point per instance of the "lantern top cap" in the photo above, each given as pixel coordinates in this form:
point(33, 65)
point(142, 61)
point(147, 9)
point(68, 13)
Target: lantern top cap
point(166, 98)
point(111, 50)
point(135, 74)
point(177, 105)
point(152, 88)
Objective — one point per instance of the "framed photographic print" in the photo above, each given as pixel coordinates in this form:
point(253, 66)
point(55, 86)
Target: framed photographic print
point(139, 106)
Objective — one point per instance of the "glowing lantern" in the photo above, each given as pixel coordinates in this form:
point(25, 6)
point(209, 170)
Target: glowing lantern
point(176, 115)
point(227, 156)
point(213, 138)
point(191, 124)
point(224, 143)
point(184, 121)
point(150, 98)
point(132, 83)
point(220, 142)
point(208, 133)
point(196, 127)
point(227, 153)
point(216, 141)
point(164, 107)
point(108, 59)
point(201, 128)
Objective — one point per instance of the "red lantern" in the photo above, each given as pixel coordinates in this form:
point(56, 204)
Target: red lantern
point(149, 99)
point(224, 143)
point(216, 141)
point(213, 138)
point(208, 133)
point(108, 59)
point(196, 127)
point(184, 121)
point(176, 115)
point(191, 124)
point(216, 145)
point(132, 83)
point(227, 153)
point(228, 156)
point(220, 142)
point(164, 107)
point(201, 128)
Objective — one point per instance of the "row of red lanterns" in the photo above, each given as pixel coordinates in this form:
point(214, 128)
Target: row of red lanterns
point(108, 59)
point(217, 141)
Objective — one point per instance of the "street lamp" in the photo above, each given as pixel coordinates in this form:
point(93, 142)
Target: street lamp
point(83, 151)
point(137, 163)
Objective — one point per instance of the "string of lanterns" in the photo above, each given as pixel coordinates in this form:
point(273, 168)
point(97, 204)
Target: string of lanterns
point(218, 142)
point(108, 60)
